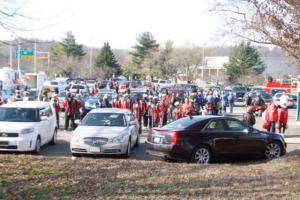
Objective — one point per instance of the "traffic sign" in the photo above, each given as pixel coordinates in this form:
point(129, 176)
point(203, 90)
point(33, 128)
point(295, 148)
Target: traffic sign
point(25, 54)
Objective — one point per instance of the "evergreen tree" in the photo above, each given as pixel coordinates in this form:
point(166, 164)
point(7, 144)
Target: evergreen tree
point(107, 62)
point(71, 48)
point(243, 60)
point(145, 45)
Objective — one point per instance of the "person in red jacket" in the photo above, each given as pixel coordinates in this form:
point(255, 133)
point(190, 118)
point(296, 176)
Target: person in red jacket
point(118, 103)
point(56, 108)
point(177, 112)
point(70, 109)
point(156, 112)
point(124, 103)
point(187, 108)
point(283, 118)
point(272, 117)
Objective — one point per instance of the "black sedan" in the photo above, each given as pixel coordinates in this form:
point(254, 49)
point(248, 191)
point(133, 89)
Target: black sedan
point(199, 139)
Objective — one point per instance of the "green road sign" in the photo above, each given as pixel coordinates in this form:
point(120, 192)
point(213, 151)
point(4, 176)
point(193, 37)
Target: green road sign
point(25, 54)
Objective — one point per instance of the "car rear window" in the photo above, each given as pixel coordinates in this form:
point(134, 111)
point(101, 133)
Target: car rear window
point(18, 114)
point(182, 123)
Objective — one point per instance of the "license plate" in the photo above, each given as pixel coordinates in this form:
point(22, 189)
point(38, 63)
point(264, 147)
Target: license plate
point(157, 139)
point(95, 149)
point(4, 143)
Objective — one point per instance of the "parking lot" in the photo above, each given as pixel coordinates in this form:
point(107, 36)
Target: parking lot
point(62, 148)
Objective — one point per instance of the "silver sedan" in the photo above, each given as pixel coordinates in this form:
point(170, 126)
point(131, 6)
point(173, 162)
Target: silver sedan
point(106, 131)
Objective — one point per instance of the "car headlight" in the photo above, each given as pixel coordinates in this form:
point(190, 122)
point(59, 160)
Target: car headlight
point(26, 131)
point(119, 139)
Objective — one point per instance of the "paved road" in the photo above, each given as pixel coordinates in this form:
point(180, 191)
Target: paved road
point(62, 148)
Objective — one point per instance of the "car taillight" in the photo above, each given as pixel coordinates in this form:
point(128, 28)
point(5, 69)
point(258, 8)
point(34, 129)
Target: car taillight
point(174, 137)
point(290, 100)
point(277, 99)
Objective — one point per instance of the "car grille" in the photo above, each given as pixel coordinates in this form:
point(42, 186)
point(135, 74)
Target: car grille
point(95, 141)
point(8, 147)
point(9, 134)
point(112, 151)
point(79, 150)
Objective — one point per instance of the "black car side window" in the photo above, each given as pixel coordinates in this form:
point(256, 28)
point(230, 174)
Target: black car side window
point(215, 126)
point(235, 126)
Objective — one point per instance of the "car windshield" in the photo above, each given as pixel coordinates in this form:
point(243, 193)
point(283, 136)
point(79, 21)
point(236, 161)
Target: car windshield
point(19, 114)
point(136, 95)
point(62, 94)
point(81, 87)
point(104, 119)
point(101, 95)
point(182, 123)
point(54, 83)
point(243, 89)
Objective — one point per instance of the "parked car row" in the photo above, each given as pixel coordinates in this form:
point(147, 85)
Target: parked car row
point(200, 139)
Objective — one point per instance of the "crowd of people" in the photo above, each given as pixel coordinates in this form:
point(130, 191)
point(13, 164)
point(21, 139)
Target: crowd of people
point(154, 109)
point(273, 118)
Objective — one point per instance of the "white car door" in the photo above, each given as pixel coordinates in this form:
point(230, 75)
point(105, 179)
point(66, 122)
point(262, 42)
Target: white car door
point(133, 128)
point(51, 123)
point(42, 128)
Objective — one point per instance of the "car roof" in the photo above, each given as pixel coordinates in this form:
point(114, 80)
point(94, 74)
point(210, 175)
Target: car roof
point(110, 110)
point(26, 104)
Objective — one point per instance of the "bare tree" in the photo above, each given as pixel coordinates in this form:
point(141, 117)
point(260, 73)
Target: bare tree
point(275, 22)
point(186, 61)
point(11, 14)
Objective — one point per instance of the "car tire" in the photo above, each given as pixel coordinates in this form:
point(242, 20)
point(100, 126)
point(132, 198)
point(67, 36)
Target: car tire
point(201, 155)
point(128, 151)
point(137, 142)
point(273, 150)
point(37, 146)
point(75, 154)
point(54, 138)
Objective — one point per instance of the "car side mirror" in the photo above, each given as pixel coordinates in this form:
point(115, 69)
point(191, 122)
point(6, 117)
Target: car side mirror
point(77, 121)
point(246, 130)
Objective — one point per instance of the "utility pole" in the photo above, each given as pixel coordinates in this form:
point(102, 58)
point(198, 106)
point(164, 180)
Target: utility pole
point(10, 55)
point(91, 61)
point(202, 75)
point(19, 57)
point(34, 58)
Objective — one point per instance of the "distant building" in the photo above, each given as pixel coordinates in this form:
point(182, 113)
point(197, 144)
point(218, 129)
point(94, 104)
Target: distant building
point(213, 69)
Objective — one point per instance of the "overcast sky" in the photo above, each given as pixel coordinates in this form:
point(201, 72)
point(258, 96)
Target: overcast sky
point(185, 22)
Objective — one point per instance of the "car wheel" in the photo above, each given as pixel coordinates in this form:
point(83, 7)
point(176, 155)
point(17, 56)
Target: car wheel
point(128, 152)
point(54, 138)
point(202, 155)
point(273, 150)
point(75, 154)
point(37, 146)
point(137, 142)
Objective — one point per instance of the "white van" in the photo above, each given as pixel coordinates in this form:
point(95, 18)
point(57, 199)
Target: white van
point(26, 126)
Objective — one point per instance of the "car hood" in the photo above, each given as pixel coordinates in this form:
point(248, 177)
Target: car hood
point(99, 131)
point(273, 135)
point(16, 126)
point(92, 101)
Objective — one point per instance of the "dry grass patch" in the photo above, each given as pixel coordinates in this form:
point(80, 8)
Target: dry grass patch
point(37, 177)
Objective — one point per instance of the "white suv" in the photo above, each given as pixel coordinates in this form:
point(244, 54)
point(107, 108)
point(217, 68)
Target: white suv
point(26, 126)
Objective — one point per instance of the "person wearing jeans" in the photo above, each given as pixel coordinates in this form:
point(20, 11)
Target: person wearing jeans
point(70, 108)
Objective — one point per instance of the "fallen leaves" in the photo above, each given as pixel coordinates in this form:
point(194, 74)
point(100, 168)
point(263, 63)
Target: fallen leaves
point(30, 177)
